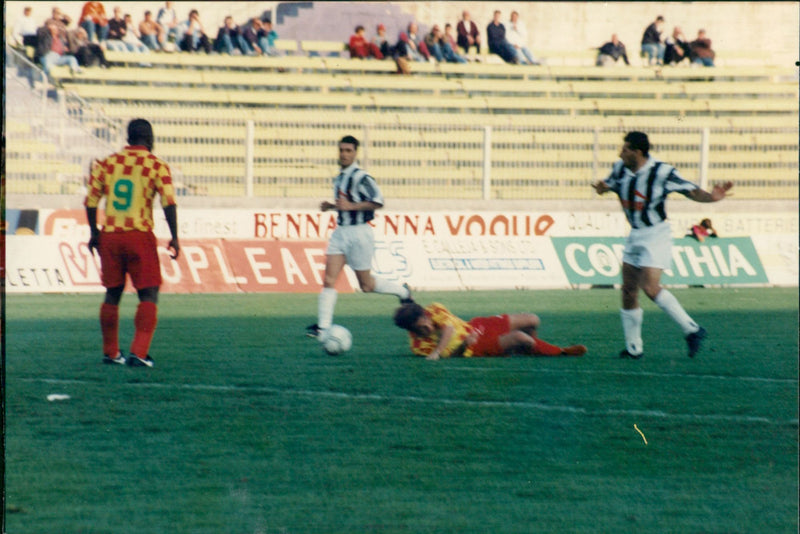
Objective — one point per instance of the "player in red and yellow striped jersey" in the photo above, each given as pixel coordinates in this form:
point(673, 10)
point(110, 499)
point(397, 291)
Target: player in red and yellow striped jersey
point(437, 333)
point(129, 180)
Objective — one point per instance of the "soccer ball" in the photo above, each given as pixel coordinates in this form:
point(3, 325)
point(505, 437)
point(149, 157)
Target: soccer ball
point(337, 340)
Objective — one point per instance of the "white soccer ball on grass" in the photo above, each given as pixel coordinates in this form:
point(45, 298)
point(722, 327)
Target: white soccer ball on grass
point(336, 340)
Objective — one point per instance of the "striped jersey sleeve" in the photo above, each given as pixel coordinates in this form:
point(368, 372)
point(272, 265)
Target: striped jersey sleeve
point(129, 180)
point(356, 185)
point(440, 316)
point(643, 194)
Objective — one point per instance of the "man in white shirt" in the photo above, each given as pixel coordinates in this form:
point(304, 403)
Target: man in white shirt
point(517, 35)
point(25, 29)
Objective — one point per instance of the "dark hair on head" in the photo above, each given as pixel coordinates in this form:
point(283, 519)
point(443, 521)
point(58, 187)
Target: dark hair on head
point(140, 132)
point(407, 315)
point(638, 141)
point(359, 28)
point(660, 18)
point(350, 139)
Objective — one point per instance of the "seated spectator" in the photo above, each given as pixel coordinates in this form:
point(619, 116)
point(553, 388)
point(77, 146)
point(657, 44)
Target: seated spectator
point(468, 34)
point(517, 35)
point(131, 37)
point(94, 21)
point(652, 46)
point(52, 50)
point(86, 52)
point(267, 37)
point(701, 52)
point(360, 48)
point(440, 48)
point(227, 41)
point(610, 53)
point(116, 31)
point(167, 18)
point(381, 41)
point(25, 29)
point(498, 44)
point(409, 47)
point(676, 47)
point(702, 230)
point(151, 33)
point(61, 21)
point(191, 35)
point(249, 37)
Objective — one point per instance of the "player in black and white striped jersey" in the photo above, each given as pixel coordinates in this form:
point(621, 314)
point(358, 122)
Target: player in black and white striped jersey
point(642, 184)
point(357, 196)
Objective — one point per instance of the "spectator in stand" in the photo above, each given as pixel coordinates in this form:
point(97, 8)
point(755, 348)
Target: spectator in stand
point(249, 35)
point(61, 21)
point(94, 21)
point(610, 53)
point(131, 37)
point(381, 41)
point(517, 35)
point(440, 48)
point(52, 50)
point(360, 48)
point(227, 41)
point(191, 35)
point(676, 47)
point(267, 37)
point(468, 34)
point(116, 31)
point(151, 33)
point(25, 29)
point(701, 51)
point(498, 44)
point(409, 47)
point(86, 52)
point(702, 230)
point(167, 18)
point(652, 46)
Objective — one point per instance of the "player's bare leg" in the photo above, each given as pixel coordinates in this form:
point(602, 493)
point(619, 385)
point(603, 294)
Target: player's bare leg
point(370, 283)
point(523, 331)
point(326, 303)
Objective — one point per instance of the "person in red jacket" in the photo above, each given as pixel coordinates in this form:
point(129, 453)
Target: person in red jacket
point(361, 48)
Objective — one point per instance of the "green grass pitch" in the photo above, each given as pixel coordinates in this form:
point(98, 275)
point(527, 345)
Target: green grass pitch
point(245, 426)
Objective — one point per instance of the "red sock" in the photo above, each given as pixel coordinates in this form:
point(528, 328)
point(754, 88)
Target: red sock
point(109, 327)
point(543, 348)
point(145, 322)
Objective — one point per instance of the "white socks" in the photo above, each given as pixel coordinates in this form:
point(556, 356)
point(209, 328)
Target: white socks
point(388, 287)
point(632, 328)
point(667, 302)
point(325, 306)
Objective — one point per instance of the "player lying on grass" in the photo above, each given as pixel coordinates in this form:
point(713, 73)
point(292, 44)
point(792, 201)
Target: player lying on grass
point(437, 333)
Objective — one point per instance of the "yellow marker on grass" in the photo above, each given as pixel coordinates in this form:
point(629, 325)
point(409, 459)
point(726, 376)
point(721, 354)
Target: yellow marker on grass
point(640, 433)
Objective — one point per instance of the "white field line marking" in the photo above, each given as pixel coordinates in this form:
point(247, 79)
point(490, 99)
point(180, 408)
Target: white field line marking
point(525, 405)
point(627, 373)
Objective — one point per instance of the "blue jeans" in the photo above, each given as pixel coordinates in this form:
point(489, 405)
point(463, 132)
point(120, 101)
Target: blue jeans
point(704, 61)
point(151, 42)
point(450, 54)
point(95, 32)
point(52, 59)
point(224, 44)
point(654, 51)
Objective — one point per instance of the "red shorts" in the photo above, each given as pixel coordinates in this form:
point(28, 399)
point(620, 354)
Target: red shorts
point(493, 328)
point(131, 252)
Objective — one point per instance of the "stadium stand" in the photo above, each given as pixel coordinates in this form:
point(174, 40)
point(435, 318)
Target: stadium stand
point(550, 129)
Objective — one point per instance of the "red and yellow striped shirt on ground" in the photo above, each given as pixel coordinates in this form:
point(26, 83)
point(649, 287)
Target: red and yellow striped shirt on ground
point(441, 316)
point(130, 180)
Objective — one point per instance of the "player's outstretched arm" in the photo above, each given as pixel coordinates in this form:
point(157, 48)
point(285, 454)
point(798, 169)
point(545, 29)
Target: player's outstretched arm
point(718, 192)
point(600, 187)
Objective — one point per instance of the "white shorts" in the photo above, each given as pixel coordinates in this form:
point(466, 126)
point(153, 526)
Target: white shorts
point(650, 246)
point(357, 243)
